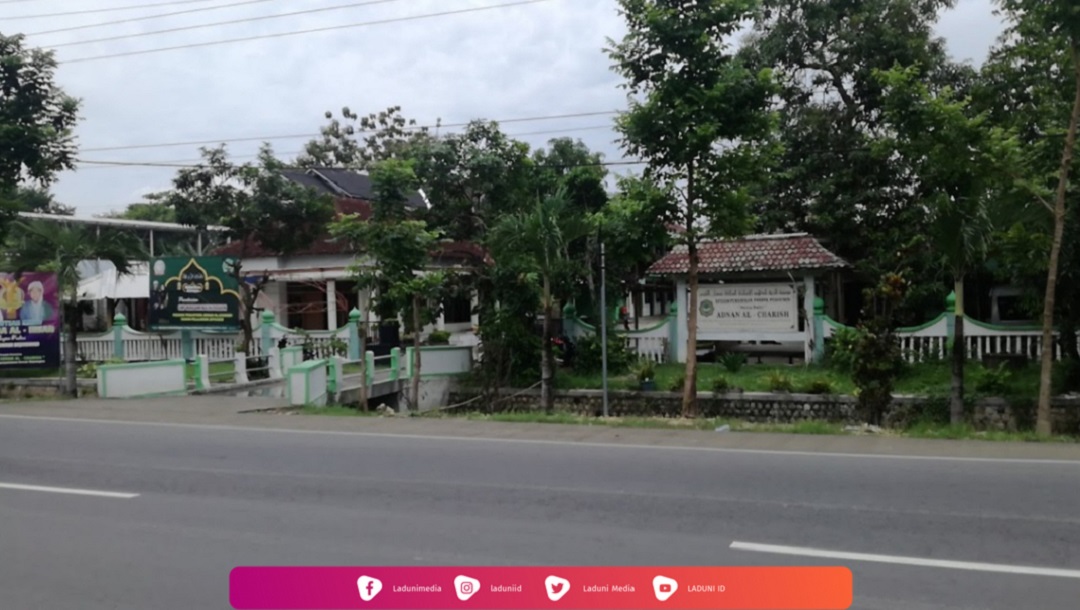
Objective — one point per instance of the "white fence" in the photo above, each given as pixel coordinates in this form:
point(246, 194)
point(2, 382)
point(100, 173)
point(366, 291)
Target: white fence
point(931, 340)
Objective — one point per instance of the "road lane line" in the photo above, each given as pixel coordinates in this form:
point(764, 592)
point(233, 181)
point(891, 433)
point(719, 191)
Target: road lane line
point(908, 561)
point(69, 491)
point(560, 443)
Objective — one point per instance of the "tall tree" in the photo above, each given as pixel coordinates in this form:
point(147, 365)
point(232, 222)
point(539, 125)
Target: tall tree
point(40, 200)
point(541, 240)
point(1047, 33)
point(36, 124)
point(256, 204)
point(399, 250)
point(636, 234)
point(358, 142)
point(696, 111)
point(43, 245)
point(834, 179)
point(957, 158)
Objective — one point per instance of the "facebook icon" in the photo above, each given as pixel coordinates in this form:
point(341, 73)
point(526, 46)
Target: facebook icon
point(369, 587)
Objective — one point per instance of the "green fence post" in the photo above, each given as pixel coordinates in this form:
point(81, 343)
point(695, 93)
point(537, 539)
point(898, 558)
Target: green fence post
point(819, 329)
point(355, 319)
point(187, 345)
point(673, 333)
point(119, 322)
point(395, 363)
point(369, 368)
point(409, 362)
point(267, 319)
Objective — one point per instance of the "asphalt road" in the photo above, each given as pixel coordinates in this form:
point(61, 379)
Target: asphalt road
point(211, 499)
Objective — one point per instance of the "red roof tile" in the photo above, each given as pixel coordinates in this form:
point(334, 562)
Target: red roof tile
point(755, 253)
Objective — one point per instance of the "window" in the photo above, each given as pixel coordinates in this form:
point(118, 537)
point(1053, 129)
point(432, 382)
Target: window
point(458, 309)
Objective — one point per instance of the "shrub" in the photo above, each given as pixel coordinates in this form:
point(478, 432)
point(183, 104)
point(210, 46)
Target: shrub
point(588, 358)
point(439, 337)
point(840, 351)
point(819, 386)
point(733, 361)
point(646, 370)
point(779, 381)
point(678, 384)
point(721, 385)
point(993, 381)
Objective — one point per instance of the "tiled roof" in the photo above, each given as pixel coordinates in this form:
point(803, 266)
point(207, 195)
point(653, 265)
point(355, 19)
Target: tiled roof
point(756, 253)
point(325, 245)
point(344, 183)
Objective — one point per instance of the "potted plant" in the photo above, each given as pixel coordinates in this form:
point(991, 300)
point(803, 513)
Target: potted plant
point(647, 376)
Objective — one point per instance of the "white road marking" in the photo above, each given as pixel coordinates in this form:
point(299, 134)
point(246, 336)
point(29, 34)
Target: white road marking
point(908, 561)
point(70, 491)
point(529, 441)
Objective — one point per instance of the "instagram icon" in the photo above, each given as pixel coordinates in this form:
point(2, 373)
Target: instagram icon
point(466, 587)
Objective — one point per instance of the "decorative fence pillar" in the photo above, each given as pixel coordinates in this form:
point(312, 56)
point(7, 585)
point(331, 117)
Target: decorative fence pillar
point(240, 368)
point(395, 363)
point(267, 322)
point(369, 368)
point(355, 320)
point(569, 316)
point(187, 345)
point(202, 372)
point(274, 362)
point(673, 333)
point(819, 329)
point(119, 323)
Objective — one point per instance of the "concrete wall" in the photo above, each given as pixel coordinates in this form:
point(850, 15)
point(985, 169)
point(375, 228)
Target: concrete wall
point(142, 379)
point(436, 360)
point(987, 414)
point(306, 384)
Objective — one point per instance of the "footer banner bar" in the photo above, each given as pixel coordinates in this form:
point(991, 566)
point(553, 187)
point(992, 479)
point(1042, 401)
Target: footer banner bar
point(524, 588)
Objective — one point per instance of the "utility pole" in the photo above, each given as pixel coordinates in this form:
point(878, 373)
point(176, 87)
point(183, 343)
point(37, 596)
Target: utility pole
point(603, 322)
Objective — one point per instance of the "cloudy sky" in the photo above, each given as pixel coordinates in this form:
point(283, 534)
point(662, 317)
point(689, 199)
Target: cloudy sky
point(538, 59)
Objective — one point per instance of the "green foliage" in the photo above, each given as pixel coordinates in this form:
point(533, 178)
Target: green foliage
point(439, 337)
point(386, 135)
point(779, 381)
point(646, 370)
point(832, 169)
point(37, 117)
point(721, 384)
point(840, 349)
point(255, 203)
point(878, 360)
point(818, 386)
point(393, 248)
point(677, 384)
point(994, 382)
point(733, 361)
point(589, 356)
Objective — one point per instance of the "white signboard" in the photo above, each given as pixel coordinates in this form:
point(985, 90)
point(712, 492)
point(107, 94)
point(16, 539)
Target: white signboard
point(748, 307)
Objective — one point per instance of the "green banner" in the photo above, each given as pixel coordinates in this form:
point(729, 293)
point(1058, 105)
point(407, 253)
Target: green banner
point(193, 293)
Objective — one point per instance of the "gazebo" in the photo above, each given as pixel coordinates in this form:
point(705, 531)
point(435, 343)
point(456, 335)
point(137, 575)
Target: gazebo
point(754, 289)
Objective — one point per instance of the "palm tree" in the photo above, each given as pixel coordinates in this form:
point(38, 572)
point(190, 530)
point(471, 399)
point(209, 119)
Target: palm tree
point(540, 239)
point(960, 231)
point(59, 248)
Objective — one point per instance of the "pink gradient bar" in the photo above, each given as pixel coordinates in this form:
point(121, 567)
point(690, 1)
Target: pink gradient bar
point(525, 588)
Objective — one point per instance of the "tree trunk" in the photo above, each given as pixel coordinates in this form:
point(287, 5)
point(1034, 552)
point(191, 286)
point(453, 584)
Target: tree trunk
point(1043, 424)
point(689, 402)
point(415, 391)
point(547, 358)
point(71, 348)
point(956, 403)
point(639, 305)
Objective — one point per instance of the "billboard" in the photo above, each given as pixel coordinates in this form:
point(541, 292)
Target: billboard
point(189, 293)
point(29, 320)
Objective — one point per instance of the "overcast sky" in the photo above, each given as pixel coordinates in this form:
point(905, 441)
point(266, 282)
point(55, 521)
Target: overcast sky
point(534, 60)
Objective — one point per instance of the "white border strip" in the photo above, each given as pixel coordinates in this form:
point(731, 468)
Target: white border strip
point(907, 561)
point(69, 491)
point(560, 443)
